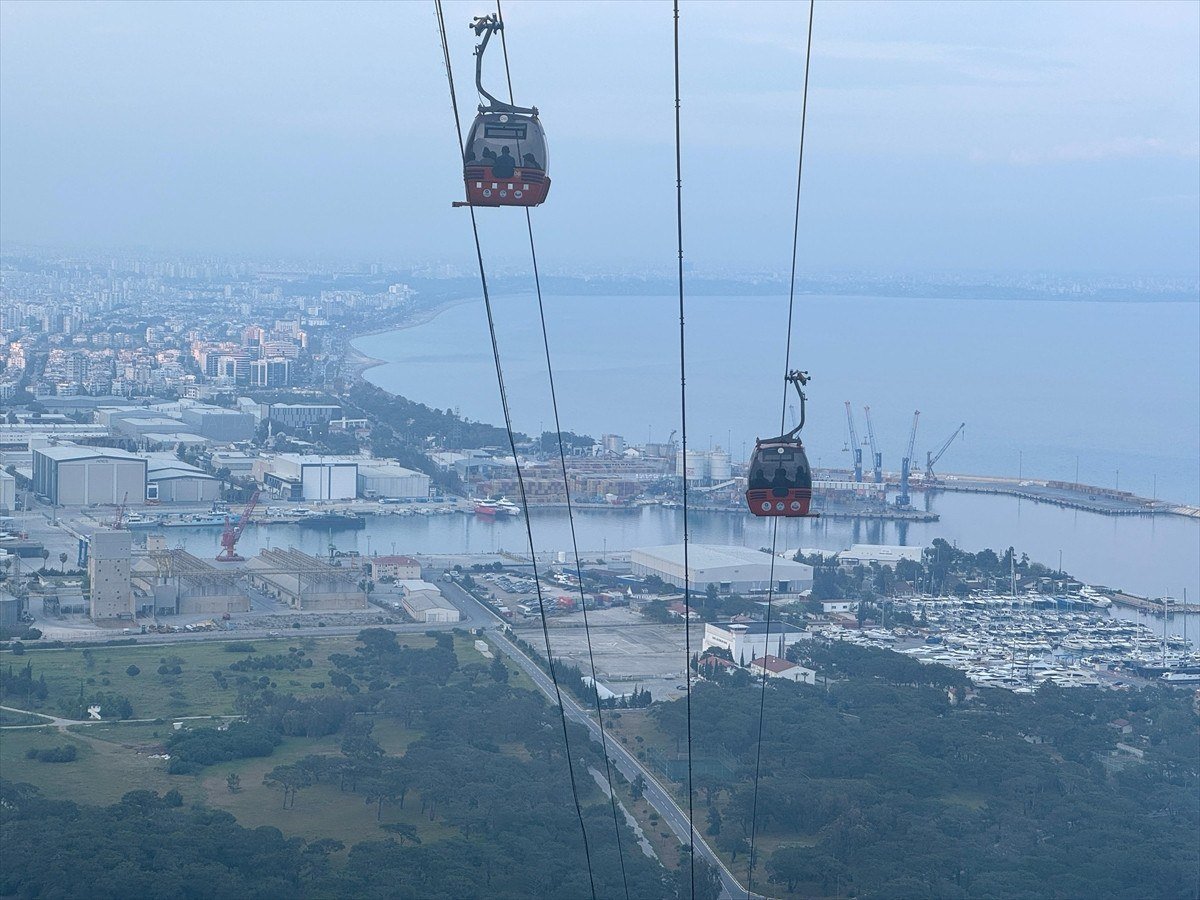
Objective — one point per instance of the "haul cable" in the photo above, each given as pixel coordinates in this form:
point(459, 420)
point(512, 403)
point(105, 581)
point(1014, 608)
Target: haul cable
point(687, 592)
point(487, 302)
point(562, 458)
point(787, 359)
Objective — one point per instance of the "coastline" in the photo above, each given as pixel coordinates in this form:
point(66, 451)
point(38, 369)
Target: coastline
point(358, 363)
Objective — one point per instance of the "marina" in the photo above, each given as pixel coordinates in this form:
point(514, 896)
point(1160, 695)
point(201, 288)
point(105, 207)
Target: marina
point(1019, 643)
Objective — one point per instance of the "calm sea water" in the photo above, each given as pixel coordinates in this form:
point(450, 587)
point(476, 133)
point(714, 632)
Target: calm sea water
point(1040, 385)
point(1044, 387)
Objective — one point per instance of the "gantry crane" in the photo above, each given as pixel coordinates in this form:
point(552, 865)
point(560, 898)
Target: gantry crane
point(855, 446)
point(904, 500)
point(876, 456)
point(931, 458)
point(229, 537)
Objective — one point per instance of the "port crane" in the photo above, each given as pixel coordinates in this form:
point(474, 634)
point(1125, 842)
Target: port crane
point(876, 456)
point(931, 458)
point(855, 446)
point(232, 532)
point(118, 521)
point(904, 500)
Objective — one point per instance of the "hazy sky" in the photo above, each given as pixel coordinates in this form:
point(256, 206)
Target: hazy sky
point(942, 136)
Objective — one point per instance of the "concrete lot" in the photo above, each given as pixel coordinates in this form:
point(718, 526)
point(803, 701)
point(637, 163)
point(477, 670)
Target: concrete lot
point(629, 650)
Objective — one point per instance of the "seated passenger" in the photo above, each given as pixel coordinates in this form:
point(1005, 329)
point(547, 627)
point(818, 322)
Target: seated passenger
point(505, 165)
point(758, 480)
point(781, 483)
point(489, 156)
point(529, 161)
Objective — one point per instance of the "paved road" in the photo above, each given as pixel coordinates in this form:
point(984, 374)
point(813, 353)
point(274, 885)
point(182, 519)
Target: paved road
point(629, 766)
point(626, 762)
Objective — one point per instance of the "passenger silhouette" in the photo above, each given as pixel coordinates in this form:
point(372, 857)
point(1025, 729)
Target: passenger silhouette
point(780, 482)
point(505, 165)
point(530, 161)
point(758, 480)
point(489, 154)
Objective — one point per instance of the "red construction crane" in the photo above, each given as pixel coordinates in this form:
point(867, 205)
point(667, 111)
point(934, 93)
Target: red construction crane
point(229, 537)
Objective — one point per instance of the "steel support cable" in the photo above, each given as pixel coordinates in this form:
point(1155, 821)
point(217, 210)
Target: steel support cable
point(687, 591)
point(562, 458)
point(787, 362)
point(487, 302)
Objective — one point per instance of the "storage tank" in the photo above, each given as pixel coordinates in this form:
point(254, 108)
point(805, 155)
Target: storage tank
point(720, 468)
point(697, 465)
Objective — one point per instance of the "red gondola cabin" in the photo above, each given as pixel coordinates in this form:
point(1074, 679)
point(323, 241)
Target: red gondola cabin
point(779, 482)
point(505, 160)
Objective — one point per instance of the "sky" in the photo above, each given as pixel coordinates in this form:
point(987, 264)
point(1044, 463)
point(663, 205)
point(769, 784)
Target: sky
point(941, 137)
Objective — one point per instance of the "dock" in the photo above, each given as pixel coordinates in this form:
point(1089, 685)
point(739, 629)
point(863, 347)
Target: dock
point(1153, 607)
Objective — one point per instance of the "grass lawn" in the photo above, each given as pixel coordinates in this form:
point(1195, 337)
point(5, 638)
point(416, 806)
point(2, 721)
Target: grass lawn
point(194, 692)
point(19, 718)
point(114, 757)
point(100, 775)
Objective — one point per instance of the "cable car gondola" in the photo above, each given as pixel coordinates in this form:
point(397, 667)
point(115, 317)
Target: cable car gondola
point(505, 161)
point(779, 482)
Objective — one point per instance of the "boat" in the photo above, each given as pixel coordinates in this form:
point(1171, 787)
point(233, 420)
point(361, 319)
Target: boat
point(1180, 677)
point(333, 521)
point(501, 507)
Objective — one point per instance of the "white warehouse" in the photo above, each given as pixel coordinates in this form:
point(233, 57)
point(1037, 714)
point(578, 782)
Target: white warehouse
point(737, 570)
point(381, 478)
point(71, 475)
point(319, 477)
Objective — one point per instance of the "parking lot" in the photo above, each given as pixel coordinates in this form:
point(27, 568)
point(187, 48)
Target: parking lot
point(629, 649)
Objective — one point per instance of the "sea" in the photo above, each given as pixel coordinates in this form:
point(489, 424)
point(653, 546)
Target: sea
point(1106, 393)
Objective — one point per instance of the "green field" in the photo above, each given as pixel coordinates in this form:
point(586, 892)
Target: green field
point(194, 692)
point(115, 757)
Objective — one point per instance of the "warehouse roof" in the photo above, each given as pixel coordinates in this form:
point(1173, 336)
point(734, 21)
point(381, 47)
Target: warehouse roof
point(420, 601)
point(713, 556)
point(174, 437)
point(882, 552)
point(72, 452)
point(161, 470)
point(383, 467)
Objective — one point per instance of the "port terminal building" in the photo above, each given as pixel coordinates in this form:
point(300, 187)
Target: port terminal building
point(736, 570)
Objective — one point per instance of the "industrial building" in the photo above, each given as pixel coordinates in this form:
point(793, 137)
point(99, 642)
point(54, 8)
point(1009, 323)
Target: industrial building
point(885, 555)
point(748, 641)
point(425, 603)
point(174, 582)
point(301, 415)
point(172, 481)
point(312, 477)
point(219, 424)
point(8, 493)
point(776, 667)
point(304, 582)
point(401, 568)
point(109, 562)
point(737, 570)
point(380, 478)
point(136, 426)
point(71, 475)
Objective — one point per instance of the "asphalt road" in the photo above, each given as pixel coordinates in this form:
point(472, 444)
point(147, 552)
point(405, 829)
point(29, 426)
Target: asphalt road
point(626, 762)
